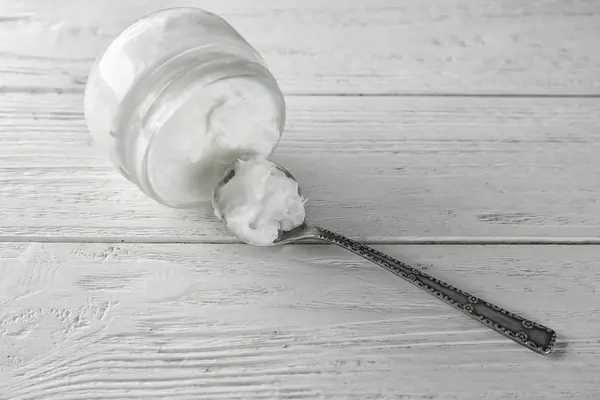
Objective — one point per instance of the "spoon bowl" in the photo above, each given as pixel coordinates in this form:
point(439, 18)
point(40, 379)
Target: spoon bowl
point(302, 232)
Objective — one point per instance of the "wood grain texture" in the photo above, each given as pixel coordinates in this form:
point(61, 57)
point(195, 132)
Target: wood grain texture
point(499, 144)
point(101, 321)
point(374, 168)
point(336, 46)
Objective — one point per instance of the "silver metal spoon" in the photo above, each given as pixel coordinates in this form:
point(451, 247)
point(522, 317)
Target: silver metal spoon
point(530, 334)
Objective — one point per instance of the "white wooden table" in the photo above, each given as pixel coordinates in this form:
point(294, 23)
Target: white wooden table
point(463, 136)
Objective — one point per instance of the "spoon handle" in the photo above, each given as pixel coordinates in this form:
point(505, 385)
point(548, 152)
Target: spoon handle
point(530, 334)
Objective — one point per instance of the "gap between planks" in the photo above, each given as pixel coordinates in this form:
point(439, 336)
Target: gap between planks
point(458, 95)
point(50, 90)
point(526, 241)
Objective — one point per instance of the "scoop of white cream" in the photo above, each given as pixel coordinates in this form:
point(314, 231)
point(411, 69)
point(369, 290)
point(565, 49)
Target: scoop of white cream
point(259, 201)
point(212, 126)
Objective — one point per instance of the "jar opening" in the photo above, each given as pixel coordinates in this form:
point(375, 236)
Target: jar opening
point(198, 125)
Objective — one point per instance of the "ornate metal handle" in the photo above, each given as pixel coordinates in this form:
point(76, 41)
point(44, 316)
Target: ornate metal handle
point(527, 333)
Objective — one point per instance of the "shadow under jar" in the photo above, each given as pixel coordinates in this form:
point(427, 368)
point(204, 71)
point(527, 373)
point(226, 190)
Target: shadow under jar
point(176, 98)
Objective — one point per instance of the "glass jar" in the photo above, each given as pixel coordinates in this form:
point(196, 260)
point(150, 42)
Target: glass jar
point(176, 98)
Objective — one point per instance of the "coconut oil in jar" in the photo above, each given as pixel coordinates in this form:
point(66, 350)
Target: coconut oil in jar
point(176, 98)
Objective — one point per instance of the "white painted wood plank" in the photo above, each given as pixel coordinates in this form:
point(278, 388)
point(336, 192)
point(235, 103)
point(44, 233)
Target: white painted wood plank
point(82, 321)
point(336, 46)
point(374, 168)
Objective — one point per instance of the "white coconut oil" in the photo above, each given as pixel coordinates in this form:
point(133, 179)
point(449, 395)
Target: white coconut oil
point(259, 201)
point(209, 130)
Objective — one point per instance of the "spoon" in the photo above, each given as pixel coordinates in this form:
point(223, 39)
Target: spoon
point(527, 333)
